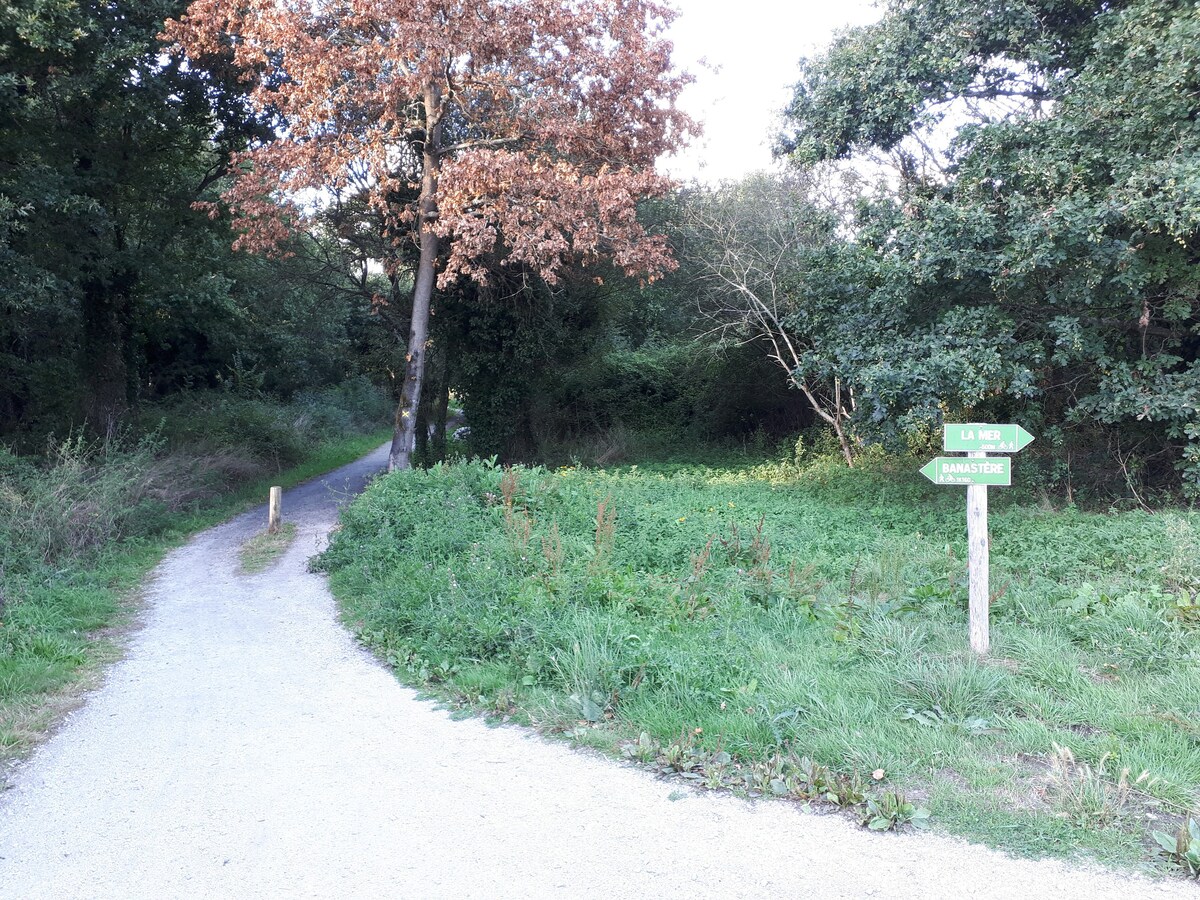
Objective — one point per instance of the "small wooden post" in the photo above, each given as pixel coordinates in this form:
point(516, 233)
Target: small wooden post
point(977, 562)
point(274, 510)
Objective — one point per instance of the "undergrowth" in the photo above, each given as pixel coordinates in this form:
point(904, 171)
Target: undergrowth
point(802, 632)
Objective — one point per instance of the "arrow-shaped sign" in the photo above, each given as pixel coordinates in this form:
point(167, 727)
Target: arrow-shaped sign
point(977, 472)
point(976, 437)
point(993, 470)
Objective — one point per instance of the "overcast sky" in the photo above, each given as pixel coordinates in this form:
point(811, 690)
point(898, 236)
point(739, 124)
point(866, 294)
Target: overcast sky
point(756, 45)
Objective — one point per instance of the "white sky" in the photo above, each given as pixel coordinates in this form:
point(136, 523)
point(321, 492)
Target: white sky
point(756, 46)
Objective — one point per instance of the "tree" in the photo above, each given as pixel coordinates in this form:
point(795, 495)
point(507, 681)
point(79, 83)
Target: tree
point(925, 63)
point(758, 250)
point(820, 277)
point(1066, 226)
point(104, 146)
point(493, 133)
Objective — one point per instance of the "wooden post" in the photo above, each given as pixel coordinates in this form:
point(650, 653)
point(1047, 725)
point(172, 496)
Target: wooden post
point(977, 562)
point(274, 509)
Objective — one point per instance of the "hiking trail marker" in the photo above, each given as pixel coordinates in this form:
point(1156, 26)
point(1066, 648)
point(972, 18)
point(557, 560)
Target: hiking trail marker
point(977, 471)
point(994, 438)
point(994, 470)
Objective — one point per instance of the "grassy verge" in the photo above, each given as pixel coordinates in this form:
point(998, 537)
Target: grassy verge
point(79, 535)
point(263, 550)
point(802, 632)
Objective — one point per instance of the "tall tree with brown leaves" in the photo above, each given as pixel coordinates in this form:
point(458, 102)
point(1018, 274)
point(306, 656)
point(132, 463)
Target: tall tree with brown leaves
point(490, 132)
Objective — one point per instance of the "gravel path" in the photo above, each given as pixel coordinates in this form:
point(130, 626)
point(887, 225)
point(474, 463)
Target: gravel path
point(246, 747)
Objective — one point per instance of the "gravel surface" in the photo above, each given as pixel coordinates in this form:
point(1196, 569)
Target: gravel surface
point(246, 747)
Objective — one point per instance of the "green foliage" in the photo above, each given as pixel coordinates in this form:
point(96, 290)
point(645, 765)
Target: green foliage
point(771, 270)
point(759, 623)
point(1183, 847)
point(265, 430)
point(600, 372)
point(115, 289)
point(109, 143)
point(1043, 269)
point(876, 83)
point(892, 810)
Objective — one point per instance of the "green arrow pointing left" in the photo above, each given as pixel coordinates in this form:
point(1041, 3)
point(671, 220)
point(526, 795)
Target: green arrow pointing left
point(987, 470)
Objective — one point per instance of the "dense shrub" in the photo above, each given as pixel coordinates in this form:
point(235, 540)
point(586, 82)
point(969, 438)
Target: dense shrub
point(680, 389)
point(266, 431)
point(81, 497)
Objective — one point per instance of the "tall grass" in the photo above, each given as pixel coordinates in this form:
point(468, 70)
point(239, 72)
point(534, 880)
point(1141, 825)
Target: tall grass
point(770, 610)
point(81, 496)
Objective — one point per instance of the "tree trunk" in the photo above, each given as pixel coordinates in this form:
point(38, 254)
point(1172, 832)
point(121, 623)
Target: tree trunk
point(403, 438)
point(441, 411)
point(843, 442)
point(106, 374)
point(421, 432)
point(838, 412)
point(833, 419)
point(431, 413)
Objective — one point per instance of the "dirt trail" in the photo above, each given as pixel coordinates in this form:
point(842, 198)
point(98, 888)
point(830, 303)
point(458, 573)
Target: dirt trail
point(246, 747)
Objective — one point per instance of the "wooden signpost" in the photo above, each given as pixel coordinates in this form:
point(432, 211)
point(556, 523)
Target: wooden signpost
point(274, 509)
point(977, 471)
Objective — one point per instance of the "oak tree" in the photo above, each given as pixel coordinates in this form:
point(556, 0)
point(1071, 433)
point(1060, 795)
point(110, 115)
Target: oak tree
point(493, 133)
point(1058, 248)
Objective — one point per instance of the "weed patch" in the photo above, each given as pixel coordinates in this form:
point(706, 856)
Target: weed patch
point(1183, 847)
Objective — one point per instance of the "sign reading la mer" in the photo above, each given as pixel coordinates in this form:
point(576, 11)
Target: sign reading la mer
point(978, 437)
point(996, 470)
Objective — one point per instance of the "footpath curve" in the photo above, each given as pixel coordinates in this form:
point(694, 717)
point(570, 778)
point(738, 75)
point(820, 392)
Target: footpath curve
point(246, 747)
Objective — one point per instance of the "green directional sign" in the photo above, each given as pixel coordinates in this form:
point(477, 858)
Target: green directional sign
point(993, 470)
point(980, 437)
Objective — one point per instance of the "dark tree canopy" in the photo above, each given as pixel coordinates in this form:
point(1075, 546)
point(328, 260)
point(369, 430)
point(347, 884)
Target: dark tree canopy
point(1066, 226)
point(103, 146)
point(113, 288)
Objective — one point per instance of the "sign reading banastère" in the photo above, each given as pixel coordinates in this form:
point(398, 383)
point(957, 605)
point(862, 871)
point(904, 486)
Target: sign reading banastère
point(995, 471)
